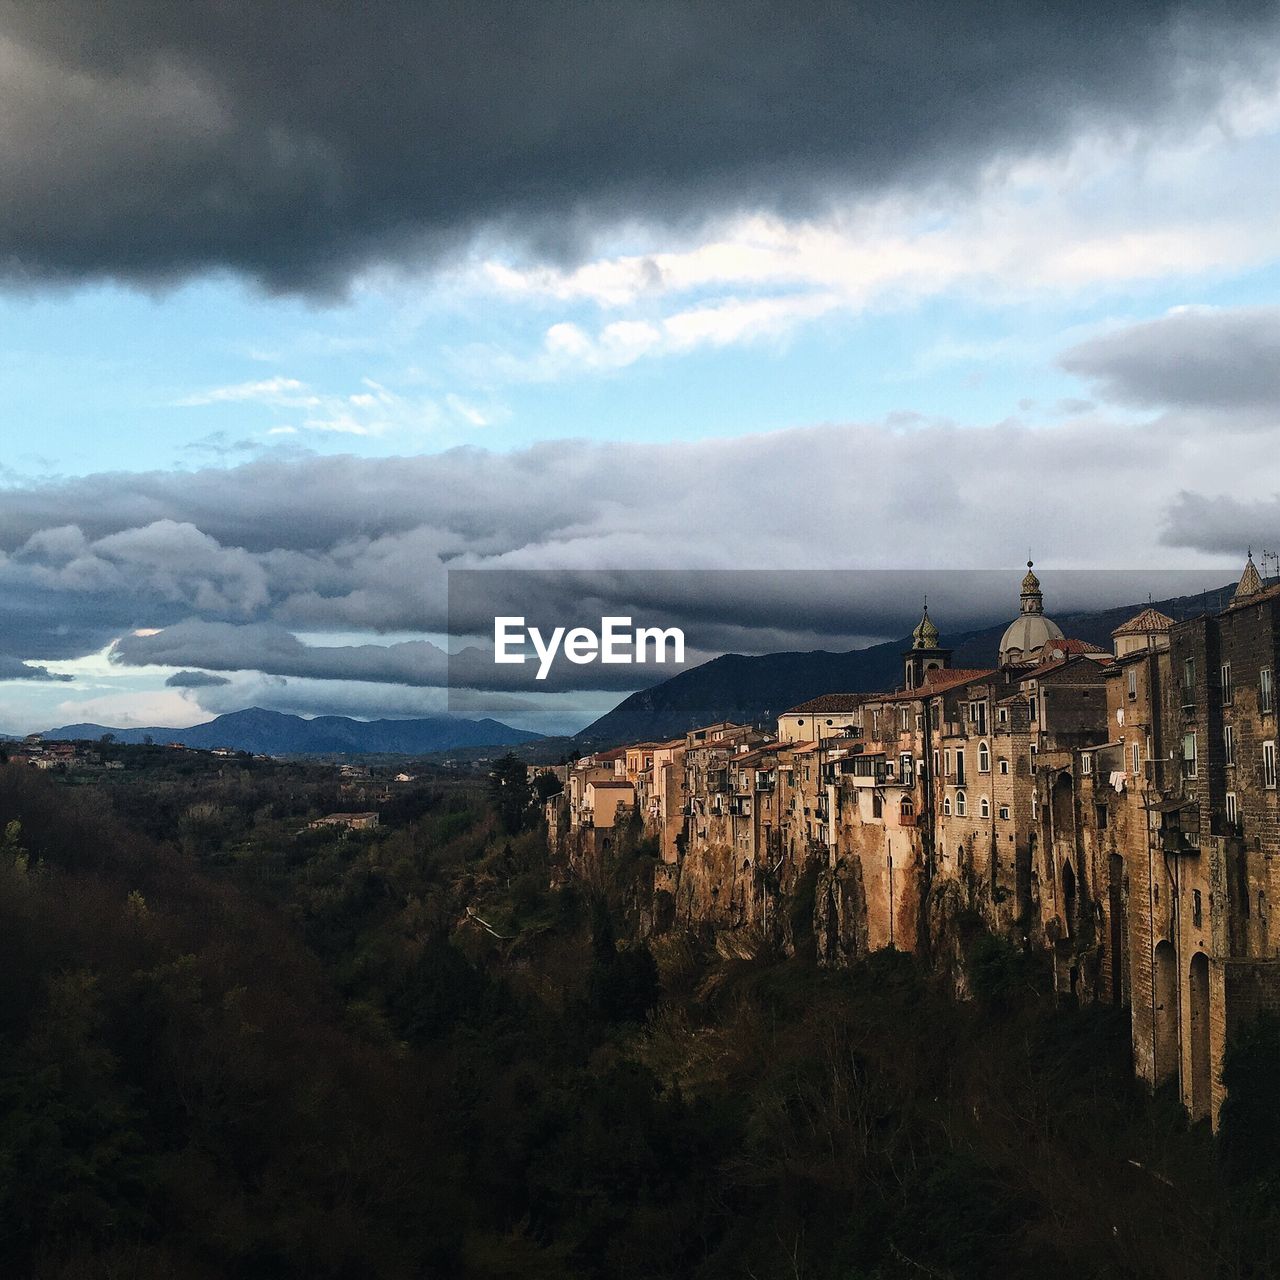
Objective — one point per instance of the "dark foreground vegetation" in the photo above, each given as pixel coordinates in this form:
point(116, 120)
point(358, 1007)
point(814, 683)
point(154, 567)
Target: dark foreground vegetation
point(230, 1049)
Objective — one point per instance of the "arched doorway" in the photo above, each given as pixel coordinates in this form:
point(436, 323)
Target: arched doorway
point(1201, 1086)
point(1165, 1031)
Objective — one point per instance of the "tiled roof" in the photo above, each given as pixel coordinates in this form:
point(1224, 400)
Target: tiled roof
point(1070, 645)
point(831, 702)
point(1148, 620)
point(938, 680)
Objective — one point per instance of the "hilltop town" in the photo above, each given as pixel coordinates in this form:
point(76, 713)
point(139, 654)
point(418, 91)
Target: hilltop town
point(1116, 811)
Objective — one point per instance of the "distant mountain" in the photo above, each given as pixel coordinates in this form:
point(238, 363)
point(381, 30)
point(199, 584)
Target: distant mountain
point(274, 733)
point(743, 689)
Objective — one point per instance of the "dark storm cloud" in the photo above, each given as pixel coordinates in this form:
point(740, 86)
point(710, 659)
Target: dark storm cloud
point(295, 142)
point(195, 680)
point(16, 669)
point(1198, 358)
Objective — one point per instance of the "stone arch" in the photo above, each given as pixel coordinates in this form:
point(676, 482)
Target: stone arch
point(1201, 1079)
point(1062, 809)
point(1164, 1034)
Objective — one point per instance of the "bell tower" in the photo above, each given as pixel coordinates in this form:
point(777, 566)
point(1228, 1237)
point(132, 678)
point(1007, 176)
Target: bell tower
point(924, 655)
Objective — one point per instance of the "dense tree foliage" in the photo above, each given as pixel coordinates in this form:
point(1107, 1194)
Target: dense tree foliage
point(231, 1045)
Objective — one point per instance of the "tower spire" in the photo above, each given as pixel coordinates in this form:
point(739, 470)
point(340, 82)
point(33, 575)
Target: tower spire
point(1032, 597)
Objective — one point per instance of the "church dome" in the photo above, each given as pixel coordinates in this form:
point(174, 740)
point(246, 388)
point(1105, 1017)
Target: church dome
point(1026, 637)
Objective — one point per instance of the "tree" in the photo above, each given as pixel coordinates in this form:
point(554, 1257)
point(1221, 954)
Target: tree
point(509, 792)
point(546, 785)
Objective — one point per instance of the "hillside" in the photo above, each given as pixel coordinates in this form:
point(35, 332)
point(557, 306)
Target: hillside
point(746, 689)
point(274, 733)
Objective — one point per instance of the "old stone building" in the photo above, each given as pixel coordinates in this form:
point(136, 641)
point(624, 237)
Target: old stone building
point(1116, 810)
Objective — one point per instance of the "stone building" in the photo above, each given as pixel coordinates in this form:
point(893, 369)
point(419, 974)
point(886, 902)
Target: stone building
point(1117, 810)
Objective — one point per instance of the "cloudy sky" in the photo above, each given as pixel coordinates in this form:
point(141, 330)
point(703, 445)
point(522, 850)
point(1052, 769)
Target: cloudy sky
point(301, 306)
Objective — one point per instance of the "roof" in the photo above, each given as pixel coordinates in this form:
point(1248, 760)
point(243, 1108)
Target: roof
point(1148, 620)
point(1072, 645)
point(1257, 597)
point(939, 680)
point(606, 785)
point(831, 702)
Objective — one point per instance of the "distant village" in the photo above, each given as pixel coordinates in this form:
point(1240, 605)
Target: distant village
point(1116, 810)
point(359, 784)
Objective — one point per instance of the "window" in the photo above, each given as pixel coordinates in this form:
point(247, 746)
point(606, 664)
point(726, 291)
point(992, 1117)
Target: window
point(1228, 744)
point(1133, 684)
point(1269, 765)
point(1190, 761)
point(906, 768)
point(961, 804)
point(919, 723)
point(1135, 758)
point(1004, 812)
point(907, 809)
point(935, 762)
point(984, 758)
point(1188, 680)
point(1004, 765)
point(1100, 816)
point(946, 805)
point(1265, 704)
point(1197, 908)
point(1034, 704)
point(1004, 715)
point(1086, 763)
point(1224, 673)
point(933, 715)
point(984, 807)
point(978, 716)
point(875, 723)
point(960, 766)
point(904, 720)
point(1233, 809)
point(877, 805)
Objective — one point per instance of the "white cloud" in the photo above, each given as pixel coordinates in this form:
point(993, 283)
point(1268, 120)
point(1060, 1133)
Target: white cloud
point(1114, 211)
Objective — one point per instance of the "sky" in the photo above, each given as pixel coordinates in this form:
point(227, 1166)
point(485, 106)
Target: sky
point(301, 309)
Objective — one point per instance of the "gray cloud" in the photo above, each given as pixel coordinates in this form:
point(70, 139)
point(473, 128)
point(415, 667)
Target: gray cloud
point(1222, 524)
point(241, 565)
point(195, 680)
point(294, 143)
point(16, 669)
point(1198, 358)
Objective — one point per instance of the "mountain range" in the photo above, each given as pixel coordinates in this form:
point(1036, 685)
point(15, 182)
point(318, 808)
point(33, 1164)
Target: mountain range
point(748, 689)
point(274, 733)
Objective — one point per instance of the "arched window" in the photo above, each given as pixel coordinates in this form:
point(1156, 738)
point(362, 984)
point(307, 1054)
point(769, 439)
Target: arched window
point(960, 804)
point(984, 758)
point(984, 808)
point(946, 805)
point(908, 809)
